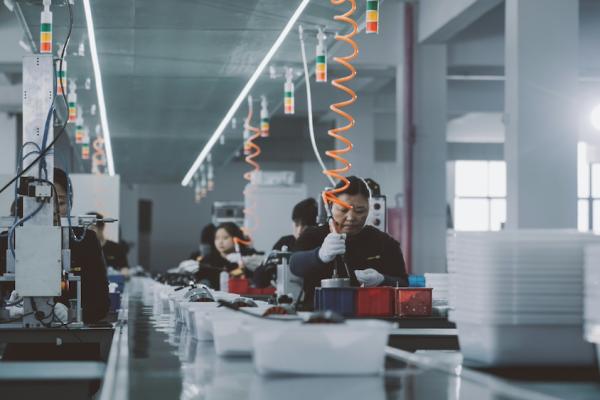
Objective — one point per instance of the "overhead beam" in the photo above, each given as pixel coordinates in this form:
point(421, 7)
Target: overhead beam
point(440, 20)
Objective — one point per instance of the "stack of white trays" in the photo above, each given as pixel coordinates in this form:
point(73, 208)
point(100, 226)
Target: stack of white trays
point(591, 301)
point(517, 296)
point(440, 283)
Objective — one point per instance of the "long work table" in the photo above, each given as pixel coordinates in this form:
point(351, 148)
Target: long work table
point(152, 357)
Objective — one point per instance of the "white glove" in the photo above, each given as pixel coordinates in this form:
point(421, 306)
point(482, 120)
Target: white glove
point(234, 258)
point(333, 245)
point(61, 313)
point(190, 266)
point(253, 262)
point(369, 277)
point(14, 297)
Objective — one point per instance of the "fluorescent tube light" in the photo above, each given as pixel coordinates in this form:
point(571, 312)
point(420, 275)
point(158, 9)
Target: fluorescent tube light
point(242, 96)
point(99, 88)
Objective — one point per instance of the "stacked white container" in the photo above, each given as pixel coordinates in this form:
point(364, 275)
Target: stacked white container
point(517, 296)
point(440, 283)
point(592, 296)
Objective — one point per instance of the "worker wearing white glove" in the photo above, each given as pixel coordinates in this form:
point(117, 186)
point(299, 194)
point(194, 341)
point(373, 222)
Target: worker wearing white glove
point(190, 266)
point(14, 298)
point(15, 307)
point(61, 313)
point(369, 277)
point(253, 262)
point(333, 246)
point(234, 258)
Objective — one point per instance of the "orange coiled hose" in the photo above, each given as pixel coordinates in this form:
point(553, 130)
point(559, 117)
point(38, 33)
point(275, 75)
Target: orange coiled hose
point(255, 151)
point(99, 157)
point(330, 196)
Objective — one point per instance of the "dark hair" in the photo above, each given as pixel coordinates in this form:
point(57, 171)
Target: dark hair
point(357, 186)
point(60, 178)
point(232, 229)
point(99, 224)
point(207, 236)
point(305, 212)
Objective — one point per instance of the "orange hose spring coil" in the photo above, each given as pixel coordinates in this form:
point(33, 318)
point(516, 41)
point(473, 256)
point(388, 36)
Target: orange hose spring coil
point(330, 196)
point(252, 150)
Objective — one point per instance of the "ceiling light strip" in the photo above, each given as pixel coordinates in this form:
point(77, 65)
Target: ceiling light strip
point(245, 91)
point(99, 87)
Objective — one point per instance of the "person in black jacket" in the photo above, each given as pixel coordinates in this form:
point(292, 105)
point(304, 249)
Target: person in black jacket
point(87, 260)
point(366, 255)
point(207, 243)
point(224, 255)
point(304, 215)
point(114, 254)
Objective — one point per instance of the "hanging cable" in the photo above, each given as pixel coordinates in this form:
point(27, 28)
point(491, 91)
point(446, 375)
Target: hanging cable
point(330, 196)
point(311, 127)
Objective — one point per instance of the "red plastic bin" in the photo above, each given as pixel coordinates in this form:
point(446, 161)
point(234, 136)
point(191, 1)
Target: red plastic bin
point(375, 302)
point(261, 291)
point(238, 285)
point(413, 301)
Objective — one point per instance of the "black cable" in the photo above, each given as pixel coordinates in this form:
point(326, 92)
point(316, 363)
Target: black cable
point(64, 96)
point(62, 324)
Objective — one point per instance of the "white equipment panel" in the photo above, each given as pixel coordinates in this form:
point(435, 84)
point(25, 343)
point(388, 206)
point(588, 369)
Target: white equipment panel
point(99, 193)
point(271, 212)
point(38, 264)
point(38, 78)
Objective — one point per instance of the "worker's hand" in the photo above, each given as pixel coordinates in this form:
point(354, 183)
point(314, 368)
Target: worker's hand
point(234, 258)
point(369, 277)
point(253, 262)
point(61, 313)
point(188, 266)
point(14, 297)
point(333, 245)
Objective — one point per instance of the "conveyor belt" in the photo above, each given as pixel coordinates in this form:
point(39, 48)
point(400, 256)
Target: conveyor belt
point(164, 362)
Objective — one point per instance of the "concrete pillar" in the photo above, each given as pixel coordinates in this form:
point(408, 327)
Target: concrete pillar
point(541, 119)
point(429, 163)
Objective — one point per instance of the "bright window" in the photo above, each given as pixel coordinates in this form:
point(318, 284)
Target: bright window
point(588, 191)
point(480, 195)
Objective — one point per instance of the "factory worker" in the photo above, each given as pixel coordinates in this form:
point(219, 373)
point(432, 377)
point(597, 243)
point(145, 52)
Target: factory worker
point(207, 243)
point(114, 254)
point(304, 215)
point(366, 255)
point(87, 261)
point(225, 257)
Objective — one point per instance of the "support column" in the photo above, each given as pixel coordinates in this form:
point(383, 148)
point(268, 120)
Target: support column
point(429, 163)
point(541, 119)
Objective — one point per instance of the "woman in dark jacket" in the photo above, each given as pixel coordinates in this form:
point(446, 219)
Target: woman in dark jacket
point(224, 255)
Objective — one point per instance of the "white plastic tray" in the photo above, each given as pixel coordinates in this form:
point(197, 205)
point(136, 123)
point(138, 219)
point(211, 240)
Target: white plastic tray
point(512, 345)
point(352, 348)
